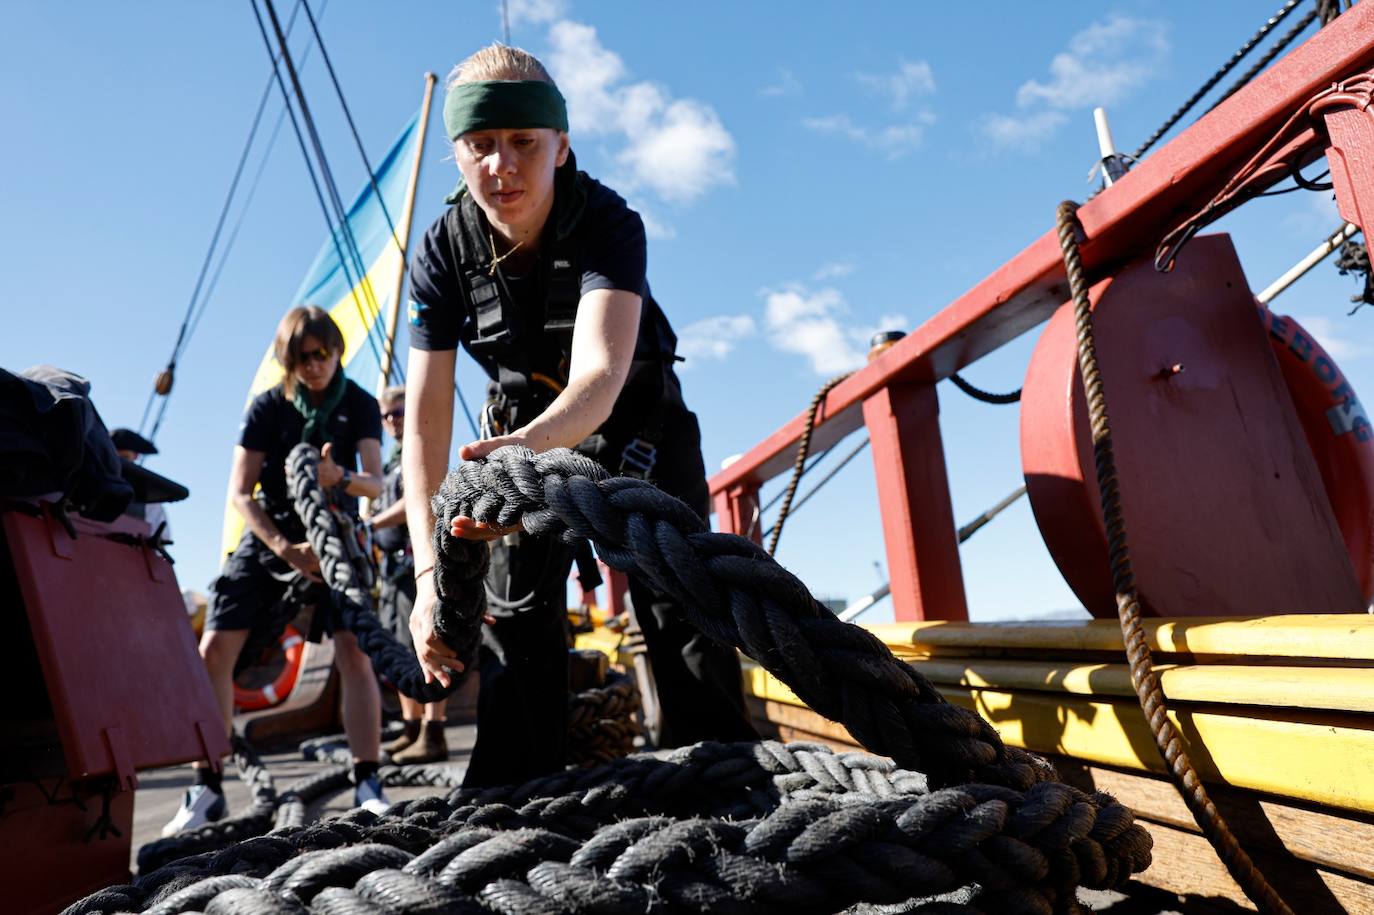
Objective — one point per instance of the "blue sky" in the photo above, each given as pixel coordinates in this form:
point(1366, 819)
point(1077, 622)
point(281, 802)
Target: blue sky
point(809, 173)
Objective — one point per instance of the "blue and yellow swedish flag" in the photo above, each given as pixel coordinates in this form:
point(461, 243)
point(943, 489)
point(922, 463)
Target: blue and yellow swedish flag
point(361, 306)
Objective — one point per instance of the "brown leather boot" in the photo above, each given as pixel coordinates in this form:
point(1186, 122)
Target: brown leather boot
point(407, 738)
point(432, 746)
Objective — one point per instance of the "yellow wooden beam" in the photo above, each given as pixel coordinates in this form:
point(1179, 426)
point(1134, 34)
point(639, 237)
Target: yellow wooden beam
point(1338, 636)
point(1328, 761)
point(1346, 689)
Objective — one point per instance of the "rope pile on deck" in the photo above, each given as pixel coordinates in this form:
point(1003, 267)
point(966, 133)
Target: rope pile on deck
point(737, 827)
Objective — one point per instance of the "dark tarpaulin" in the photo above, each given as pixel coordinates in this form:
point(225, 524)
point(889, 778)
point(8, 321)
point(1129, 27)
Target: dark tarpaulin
point(52, 440)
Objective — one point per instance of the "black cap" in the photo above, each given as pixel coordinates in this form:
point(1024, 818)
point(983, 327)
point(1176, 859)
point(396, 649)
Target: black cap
point(129, 440)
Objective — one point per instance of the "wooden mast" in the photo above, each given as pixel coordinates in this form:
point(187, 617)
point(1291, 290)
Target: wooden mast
point(407, 218)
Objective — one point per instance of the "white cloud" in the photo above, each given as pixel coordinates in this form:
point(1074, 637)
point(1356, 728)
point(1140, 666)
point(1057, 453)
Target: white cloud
point(833, 269)
point(893, 141)
point(1332, 335)
point(654, 227)
point(713, 338)
point(535, 12)
point(1313, 218)
point(1027, 132)
point(911, 79)
point(787, 84)
point(817, 325)
point(1102, 65)
point(677, 148)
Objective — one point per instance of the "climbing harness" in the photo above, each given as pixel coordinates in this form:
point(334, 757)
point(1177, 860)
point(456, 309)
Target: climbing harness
point(1143, 676)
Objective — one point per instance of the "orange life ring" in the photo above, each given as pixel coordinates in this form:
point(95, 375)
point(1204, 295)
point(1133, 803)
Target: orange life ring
point(252, 700)
point(1338, 432)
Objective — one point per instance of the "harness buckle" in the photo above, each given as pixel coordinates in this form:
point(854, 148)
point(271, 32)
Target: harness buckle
point(638, 459)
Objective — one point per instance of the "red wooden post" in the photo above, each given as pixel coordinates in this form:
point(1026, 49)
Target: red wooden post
point(737, 511)
point(1351, 158)
point(616, 586)
point(903, 420)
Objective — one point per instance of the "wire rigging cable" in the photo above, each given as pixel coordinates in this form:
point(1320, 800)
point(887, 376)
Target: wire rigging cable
point(342, 237)
point(348, 116)
point(188, 321)
point(1218, 76)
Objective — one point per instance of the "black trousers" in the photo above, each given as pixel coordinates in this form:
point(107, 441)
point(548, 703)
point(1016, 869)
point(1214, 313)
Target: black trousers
point(522, 710)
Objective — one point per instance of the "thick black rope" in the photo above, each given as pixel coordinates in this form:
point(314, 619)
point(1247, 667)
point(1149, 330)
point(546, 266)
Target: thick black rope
point(737, 594)
point(1353, 257)
point(768, 828)
point(460, 569)
point(766, 832)
point(1143, 676)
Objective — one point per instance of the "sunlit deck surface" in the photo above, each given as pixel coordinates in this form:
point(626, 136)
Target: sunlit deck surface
point(159, 794)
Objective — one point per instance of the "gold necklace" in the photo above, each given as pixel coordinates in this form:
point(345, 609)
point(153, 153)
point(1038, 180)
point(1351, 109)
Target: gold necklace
point(491, 239)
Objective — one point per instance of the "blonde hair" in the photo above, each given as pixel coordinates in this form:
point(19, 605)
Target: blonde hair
point(393, 395)
point(498, 61)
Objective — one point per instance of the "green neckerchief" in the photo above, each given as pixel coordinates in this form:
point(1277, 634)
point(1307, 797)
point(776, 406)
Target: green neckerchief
point(317, 417)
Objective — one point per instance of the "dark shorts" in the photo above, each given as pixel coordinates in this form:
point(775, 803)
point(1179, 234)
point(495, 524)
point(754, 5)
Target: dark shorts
point(256, 589)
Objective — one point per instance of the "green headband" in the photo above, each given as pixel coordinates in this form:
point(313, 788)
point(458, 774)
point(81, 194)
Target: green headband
point(503, 103)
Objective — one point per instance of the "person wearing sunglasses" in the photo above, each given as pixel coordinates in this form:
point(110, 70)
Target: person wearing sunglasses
point(538, 271)
point(314, 403)
point(423, 740)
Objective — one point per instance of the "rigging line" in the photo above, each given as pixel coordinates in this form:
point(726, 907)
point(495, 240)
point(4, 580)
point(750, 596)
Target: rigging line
point(373, 311)
point(183, 331)
point(825, 479)
point(343, 229)
point(327, 176)
point(314, 181)
point(341, 211)
point(1284, 41)
point(224, 256)
point(476, 433)
point(1217, 77)
point(811, 465)
point(348, 116)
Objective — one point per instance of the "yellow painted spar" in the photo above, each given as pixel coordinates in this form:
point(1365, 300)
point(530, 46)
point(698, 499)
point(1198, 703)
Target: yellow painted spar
point(1321, 758)
point(1336, 636)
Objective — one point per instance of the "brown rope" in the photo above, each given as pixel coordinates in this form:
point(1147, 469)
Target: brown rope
point(1143, 676)
point(803, 452)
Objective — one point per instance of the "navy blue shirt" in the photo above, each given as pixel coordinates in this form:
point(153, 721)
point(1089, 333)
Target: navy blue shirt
point(612, 255)
point(273, 425)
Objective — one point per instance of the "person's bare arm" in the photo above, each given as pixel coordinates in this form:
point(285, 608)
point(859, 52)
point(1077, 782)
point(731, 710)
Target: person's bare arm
point(603, 346)
point(394, 515)
point(424, 461)
point(368, 483)
point(243, 478)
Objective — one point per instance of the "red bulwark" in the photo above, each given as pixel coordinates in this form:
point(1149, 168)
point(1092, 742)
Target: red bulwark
point(903, 422)
point(128, 689)
point(1225, 509)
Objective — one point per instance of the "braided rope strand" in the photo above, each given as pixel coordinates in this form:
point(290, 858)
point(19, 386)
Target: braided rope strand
point(1143, 676)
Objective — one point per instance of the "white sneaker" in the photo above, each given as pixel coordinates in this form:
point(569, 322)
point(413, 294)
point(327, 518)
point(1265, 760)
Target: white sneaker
point(369, 796)
point(200, 805)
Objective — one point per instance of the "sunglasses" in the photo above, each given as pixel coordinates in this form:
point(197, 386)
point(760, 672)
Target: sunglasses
point(316, 355)
point(394, 414)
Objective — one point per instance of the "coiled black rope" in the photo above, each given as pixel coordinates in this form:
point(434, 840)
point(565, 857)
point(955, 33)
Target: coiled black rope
point(756, 827)
point(745, 827)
